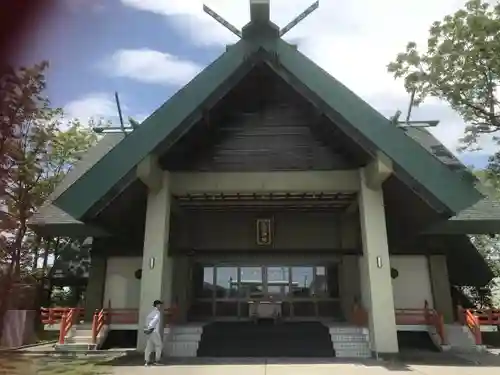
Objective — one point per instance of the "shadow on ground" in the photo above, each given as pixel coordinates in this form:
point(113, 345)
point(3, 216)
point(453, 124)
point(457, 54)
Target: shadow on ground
point(12, 363)
point(402, 363)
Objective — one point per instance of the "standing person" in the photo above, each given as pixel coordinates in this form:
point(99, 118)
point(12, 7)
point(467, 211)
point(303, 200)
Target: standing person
point(153, 330)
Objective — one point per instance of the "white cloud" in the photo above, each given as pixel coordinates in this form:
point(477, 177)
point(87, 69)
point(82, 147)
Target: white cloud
point(140, 117)
point(149, 66)
point(352, 40)
point(100, 106)
point(92, 106)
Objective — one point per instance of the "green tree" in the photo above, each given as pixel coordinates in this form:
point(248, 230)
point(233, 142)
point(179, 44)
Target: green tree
point(46, 152)
point(489, 247)
point(19, 100)
point(42, 148)
point(460, 66)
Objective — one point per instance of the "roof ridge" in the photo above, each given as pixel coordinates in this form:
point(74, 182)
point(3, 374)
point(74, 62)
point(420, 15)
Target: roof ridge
point(413, 165)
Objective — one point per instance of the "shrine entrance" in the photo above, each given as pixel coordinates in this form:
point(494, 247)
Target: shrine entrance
point(299, 292)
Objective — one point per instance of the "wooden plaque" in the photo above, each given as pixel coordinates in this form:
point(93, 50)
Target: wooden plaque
point(264, 232)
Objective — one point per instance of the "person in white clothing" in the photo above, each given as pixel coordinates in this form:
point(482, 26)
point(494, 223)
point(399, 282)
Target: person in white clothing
point(153, 330)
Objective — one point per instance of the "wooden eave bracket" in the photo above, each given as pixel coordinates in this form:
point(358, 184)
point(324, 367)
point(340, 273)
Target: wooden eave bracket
point(378, 171)
point(149, 172)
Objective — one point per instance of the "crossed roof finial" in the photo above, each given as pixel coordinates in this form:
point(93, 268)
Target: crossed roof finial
point(260, 11)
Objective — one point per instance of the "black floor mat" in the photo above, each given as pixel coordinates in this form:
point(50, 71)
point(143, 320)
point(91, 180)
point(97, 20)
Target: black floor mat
point(120, 339)
point(411, 340)
point(265, 339)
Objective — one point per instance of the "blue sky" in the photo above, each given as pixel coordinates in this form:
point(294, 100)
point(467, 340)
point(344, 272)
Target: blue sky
point(147, 49)
point(80, 40)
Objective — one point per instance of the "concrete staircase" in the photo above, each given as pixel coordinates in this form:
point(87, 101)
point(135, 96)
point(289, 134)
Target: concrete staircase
point(350, 341)
point(79, 338)
point(460, 339)
point(183, 340)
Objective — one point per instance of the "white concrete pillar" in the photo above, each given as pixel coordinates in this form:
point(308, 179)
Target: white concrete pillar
point(156, 281)
point(441, 289)
point(376, 286)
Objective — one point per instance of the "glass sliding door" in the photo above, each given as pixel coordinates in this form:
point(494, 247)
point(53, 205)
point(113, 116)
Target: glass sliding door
point(278, 282)
point(328, 293)
point(278, 287)
point(251, 288)
point(204, 292)
point(226, 291)
point(304, 291)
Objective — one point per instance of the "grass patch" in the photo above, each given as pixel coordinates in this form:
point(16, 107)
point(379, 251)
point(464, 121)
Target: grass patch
point(48, 365)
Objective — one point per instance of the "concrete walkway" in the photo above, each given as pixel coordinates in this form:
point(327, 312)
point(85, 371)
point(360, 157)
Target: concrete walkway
point(454, 366)
point(302, 369)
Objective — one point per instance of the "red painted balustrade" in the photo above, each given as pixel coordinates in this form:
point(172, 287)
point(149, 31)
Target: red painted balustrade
point(67, 317)
point(424, 316)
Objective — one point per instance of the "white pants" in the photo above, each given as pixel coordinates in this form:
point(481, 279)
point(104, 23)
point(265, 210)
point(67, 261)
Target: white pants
point(153, 345)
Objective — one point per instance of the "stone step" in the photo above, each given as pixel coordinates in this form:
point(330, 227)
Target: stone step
point(79, 339)
point(353, 353)
point(182, 349)
point(350, 341)
point(187, 329)
point(84, 331)
point(185, 337)
point(350, 346)
point(349, 338)
point(69, 347)
point(183, 340)
point(348, 330)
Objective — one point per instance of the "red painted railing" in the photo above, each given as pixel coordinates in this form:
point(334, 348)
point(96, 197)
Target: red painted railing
point(67, 317)
point(98, 322)
point(67, 321)
point(171, 314)
point(487, 317)
point(425, 316)
point(438, 322)
point(467, 318)
point(131, 316)
point(53, 315)
point(359, 316)
point(123, 316)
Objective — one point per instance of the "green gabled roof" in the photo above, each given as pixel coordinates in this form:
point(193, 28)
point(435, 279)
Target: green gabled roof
point(186, 105)
point(482, 217)
point(358, 119)
point(413, 164)
point(440, 151)
point(51, 220)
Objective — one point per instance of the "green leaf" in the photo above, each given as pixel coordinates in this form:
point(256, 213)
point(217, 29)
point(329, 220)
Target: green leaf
point(460, 66)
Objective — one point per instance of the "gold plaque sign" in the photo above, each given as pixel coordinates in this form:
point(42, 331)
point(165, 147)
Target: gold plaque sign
point(264, 232)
